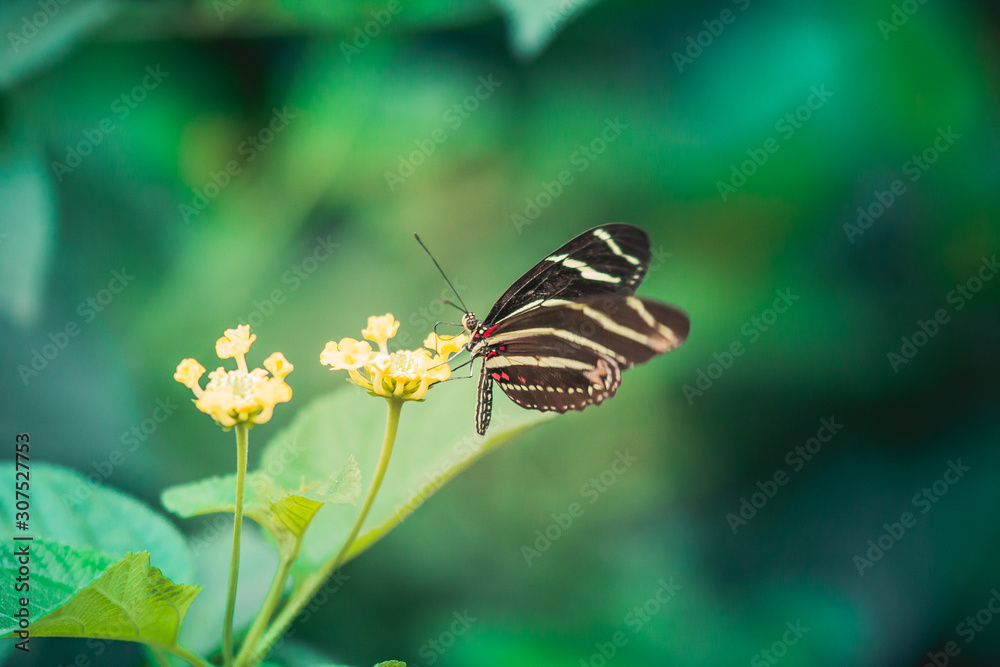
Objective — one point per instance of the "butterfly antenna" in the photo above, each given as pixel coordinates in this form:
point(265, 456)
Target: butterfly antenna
point(463, 307)
point(449, 303)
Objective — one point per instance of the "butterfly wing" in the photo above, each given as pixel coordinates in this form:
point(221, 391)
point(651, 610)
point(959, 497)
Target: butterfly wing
point(610, 259)
point(570, 355)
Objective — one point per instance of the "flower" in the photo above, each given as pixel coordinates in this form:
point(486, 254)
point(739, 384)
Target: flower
point(404, 374)
point(238, 396)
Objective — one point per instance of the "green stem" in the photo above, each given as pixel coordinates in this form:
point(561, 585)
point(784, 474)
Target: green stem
point(270, 603)
point(242, 449)
point(185, 654)
point(305, 591)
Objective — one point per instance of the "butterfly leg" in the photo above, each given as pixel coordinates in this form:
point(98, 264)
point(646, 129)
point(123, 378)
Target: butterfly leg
point(450, 324)
point(460, 377)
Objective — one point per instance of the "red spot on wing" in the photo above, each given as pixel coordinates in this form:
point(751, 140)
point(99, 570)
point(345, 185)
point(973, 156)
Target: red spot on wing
point(496, 376)
point(490, 330)
point(504, 376)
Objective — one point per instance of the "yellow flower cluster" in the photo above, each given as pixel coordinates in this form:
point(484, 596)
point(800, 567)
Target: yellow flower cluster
point(233, 397)
point(405, 374)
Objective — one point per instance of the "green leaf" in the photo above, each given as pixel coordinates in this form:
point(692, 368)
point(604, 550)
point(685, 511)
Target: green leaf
point(294, 513)
point(281, 509)
point(81, 529)
point(57, 573)
point(131, 601)
point(436, 441)
point(68, 508)
point(535, 23)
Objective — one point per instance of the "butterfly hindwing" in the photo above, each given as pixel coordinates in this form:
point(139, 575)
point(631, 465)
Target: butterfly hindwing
point(568, 356)
point(610, 259)
point(560, 385)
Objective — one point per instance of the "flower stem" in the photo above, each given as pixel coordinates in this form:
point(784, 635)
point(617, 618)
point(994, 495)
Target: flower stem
point(270, 603)
point(242, 449)
point(305, 591)
point(392, 423)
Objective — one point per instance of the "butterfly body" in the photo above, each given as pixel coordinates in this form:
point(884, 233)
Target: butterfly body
point(560, 336)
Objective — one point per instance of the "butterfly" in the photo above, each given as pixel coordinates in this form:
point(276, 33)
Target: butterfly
point(559, 338)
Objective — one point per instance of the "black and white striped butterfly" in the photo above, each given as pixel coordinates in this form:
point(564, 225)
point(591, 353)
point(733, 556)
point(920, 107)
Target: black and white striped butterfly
point(560, 336)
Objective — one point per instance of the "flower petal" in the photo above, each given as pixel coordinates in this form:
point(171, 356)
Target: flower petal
point(278, 365)
point(348, 353)
point(189, 372)
point(380, 328)
point(235, 342)
point(446, 345)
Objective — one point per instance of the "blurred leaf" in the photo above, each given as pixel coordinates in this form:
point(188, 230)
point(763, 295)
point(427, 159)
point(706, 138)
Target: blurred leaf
point(534, 23)
point(434, 443)
point(321, 16)
point(276, 508)
point(58, 572)
point(131, 602)
point(70, 509)
point(38, 33)
point(274, 195)
point(299, 656)
point(27, 233)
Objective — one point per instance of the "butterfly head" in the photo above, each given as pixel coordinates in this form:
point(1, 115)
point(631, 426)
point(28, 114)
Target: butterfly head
point(470, 323)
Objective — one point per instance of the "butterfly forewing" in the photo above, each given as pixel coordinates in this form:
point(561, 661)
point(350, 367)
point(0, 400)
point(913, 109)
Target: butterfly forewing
point(610, 259)
point(629, 330)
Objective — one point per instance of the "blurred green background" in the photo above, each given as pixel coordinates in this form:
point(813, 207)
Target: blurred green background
point(267, 161)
